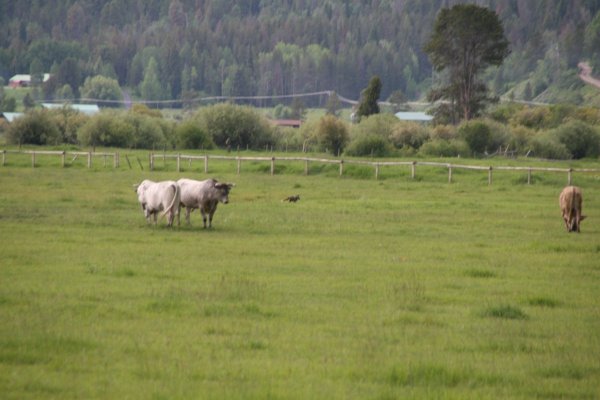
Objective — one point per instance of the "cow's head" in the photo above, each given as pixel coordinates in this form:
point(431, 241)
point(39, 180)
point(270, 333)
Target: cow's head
point(223, 190)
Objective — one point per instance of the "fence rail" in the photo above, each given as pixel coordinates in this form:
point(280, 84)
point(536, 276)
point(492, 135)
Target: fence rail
point(152, 157)
point(375, 164)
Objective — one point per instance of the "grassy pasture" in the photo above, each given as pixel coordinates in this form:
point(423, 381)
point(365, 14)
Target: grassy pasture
point(364, 289)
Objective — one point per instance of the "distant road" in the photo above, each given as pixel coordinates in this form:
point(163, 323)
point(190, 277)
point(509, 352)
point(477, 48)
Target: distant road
point(585, 74)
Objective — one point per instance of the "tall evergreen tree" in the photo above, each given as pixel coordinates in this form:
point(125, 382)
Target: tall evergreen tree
point(465, 40)
point(150, 88)
point(368, 103)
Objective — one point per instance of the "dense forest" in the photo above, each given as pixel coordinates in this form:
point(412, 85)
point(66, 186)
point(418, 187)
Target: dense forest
point(185, 49)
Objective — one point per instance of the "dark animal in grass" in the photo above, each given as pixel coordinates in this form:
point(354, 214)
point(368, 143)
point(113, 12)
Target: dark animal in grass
point(571, 206)
point(292, 199)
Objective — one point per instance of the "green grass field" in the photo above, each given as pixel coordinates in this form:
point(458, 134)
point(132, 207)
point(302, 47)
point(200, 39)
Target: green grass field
point(364, 289)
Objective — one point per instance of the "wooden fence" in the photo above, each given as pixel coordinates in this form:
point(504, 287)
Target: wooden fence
point(376, 165)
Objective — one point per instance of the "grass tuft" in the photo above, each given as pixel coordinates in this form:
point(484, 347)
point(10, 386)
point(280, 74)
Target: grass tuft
point(544, 302)
point(505, 312)
point(480, 273)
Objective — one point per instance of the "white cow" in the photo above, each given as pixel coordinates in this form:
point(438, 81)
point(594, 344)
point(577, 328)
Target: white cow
point(159, 196)
point(204, 195)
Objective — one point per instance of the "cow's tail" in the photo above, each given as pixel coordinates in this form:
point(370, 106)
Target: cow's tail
point(174, 201)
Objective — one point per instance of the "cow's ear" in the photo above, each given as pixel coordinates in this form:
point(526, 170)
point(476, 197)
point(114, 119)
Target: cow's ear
point(582, 217)
point(230, 185)
point(135, 187)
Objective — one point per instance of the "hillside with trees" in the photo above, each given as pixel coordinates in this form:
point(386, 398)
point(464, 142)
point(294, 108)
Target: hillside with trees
point(185, 49)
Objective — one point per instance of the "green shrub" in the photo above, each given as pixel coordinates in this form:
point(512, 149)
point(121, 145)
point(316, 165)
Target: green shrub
point(233, 125)
point(146, 132)
point(35, 127)
point(446, 132)
point(531, 117)
point(376, 124)
point(520, 139)
point(478, 136)
point(332, 134)
point(190, 135)
point(580, 139)
point(409, 134)
point(369, 145)
point(445, 148)
point(547, 146)
point(106, 129)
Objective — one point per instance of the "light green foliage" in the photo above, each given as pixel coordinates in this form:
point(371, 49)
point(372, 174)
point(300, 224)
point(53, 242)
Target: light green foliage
point(234, 125)
point(35, 127)
point(363, 289)
point(191, 136)
point(332, 134)
point(101, 88)
point(369, 145)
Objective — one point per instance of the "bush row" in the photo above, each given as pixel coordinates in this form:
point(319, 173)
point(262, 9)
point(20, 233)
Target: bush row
point(557, 132)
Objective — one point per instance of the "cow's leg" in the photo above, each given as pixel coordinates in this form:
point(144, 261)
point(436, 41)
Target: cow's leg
point(211, 213)
point(577, 220)
point(188, 211)
point(155, 215)
point(203, 217)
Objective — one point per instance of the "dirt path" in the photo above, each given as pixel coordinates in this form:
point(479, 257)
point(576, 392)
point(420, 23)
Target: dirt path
point(585, 74)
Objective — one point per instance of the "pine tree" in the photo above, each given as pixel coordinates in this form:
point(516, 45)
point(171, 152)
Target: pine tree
point(368, 104)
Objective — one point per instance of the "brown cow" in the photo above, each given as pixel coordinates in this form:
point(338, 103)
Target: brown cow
point(571, 202)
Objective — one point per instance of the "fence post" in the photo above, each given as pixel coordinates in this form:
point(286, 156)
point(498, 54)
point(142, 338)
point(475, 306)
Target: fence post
point(89, 159)
point(341, 167)
point(569, 176)
point(449, 173)
point(33, 159)
point(206, 163)
point(62, 158)
point(272, 166)
point(178, 162)
point(376, 171)
point(413, 168)
point(306, 167)
point(150, 161)
point(529, 176)
point(116, 160)
point(239, 165)
point(490, 175)
point(3, 157)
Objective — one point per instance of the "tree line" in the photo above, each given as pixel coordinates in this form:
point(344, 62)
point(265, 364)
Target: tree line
point(184, 49)
point(553, 132)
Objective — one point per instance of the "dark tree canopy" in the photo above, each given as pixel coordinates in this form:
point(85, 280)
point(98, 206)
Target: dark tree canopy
point(466, 39)
point(368, 102)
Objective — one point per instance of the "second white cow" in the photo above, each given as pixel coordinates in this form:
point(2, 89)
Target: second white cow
point(159, 196)
point(204, 195)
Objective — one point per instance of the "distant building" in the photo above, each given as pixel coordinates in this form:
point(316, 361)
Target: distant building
point(87, 109)
point(10, 116)
point(287, 123)
point(24, 80)
point(414, 116)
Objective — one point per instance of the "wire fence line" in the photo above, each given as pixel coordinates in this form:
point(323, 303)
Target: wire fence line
point(115, 161)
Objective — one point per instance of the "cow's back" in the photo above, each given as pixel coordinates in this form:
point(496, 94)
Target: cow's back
point(194, 193)
point(162, 195)
point(571, 199)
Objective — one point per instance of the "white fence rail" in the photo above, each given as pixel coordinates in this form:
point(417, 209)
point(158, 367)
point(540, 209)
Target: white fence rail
point(152, 157)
